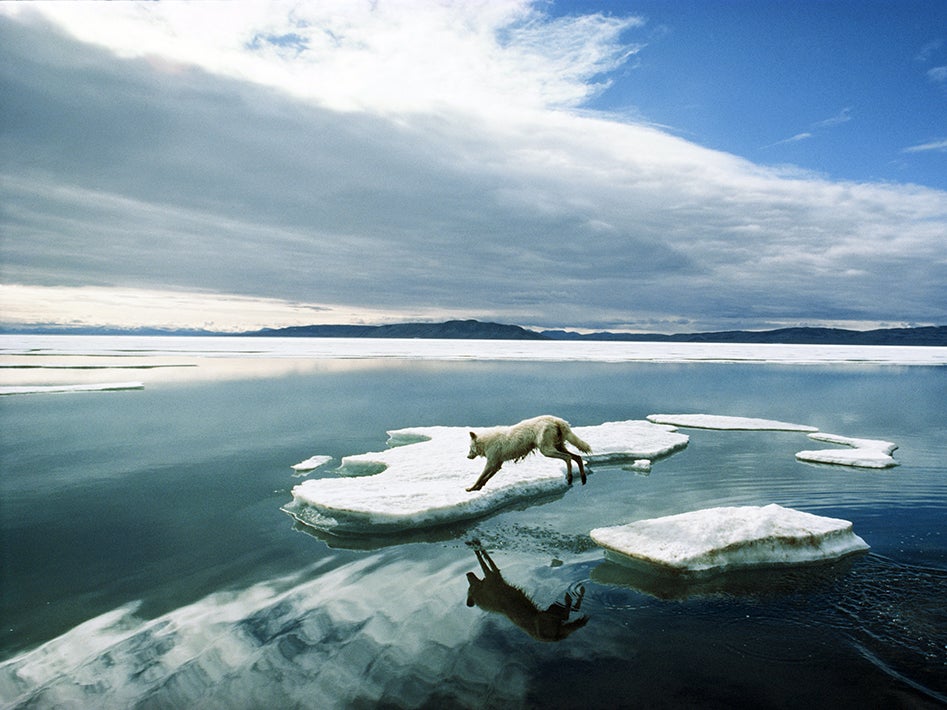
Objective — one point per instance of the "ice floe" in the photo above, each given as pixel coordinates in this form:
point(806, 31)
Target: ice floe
point(423, 483)
point(48, 389)
point(720, 539)
point(632, 439)
point(311, 464)
point(715, 421)
point(864, 453)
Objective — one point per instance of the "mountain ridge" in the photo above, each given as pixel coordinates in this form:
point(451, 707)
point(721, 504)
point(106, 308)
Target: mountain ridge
point(485, 330)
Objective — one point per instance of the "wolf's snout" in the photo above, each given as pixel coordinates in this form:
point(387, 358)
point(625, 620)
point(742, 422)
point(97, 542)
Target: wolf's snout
point(471, 456)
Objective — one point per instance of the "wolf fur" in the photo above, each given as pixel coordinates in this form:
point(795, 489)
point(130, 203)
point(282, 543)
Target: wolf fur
point(546, 433)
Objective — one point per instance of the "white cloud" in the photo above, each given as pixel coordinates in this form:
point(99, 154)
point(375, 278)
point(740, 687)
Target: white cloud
point(84, 306)
point(792, 139)
point(394, 55)
point(939, 146)
point(843, 116)
point(937, 74)
point(458, 182)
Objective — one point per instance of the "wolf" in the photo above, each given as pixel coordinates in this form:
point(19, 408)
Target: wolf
point(495, 594)
point(546, 433)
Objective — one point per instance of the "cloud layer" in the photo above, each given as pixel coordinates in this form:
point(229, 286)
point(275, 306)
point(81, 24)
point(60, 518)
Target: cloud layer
point(326, 160)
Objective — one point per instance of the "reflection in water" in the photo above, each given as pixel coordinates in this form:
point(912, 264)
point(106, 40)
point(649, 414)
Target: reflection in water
point(763, 581)
point(493, 593)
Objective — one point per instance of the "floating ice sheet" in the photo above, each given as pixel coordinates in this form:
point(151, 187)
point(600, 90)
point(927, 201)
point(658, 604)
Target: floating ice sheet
point(633, 439)
point(47, 389)
point(720, 539)
point(864, 453)
point(422, 483)
point(715, 421)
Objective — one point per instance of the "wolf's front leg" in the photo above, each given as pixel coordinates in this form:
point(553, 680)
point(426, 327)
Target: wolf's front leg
point(487, 474)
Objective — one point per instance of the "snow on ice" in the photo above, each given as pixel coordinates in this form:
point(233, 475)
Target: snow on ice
point(422, 483)
point(719, 539)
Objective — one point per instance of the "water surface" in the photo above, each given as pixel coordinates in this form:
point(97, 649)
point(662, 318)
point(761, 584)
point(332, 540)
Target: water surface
point(146, 561)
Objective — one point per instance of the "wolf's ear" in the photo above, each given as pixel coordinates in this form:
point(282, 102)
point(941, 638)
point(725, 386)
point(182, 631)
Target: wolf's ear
point(472, 435)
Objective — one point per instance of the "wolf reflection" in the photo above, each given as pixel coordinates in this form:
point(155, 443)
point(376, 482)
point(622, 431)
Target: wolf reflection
point(493, 593)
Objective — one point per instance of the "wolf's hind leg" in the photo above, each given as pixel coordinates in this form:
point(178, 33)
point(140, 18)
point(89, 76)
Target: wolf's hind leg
point(554, 452)
point(578, 460)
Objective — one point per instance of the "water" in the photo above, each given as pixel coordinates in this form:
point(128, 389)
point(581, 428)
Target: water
point(147, 563)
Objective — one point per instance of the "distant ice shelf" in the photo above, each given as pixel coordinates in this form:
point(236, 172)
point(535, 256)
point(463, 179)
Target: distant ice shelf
point(422, 483)
point(721, 539)
point(57, 389)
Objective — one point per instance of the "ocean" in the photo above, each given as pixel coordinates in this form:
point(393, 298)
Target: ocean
point(148, 561)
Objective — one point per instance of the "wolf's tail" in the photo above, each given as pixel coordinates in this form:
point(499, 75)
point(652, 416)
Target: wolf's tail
point(577, 442)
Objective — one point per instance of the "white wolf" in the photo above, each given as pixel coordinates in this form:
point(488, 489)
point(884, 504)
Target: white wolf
point(546, 433)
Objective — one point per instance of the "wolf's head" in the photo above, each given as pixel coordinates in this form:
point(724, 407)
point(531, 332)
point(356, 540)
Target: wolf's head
point(476, 447)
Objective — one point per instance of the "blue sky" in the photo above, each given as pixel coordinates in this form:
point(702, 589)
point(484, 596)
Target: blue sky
point(844, 88)
point(652, 166)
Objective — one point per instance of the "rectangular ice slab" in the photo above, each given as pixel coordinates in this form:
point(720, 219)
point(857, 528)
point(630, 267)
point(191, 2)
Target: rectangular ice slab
point(719, 539)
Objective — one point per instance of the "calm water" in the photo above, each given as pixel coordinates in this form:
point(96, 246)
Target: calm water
point(146, 561)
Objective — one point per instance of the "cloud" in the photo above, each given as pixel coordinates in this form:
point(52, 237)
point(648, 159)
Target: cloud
point(843, 116)
point(233, 169)
point(938, 146)
point(929, 50)
point(937, 74)
point(383, 56)
point(792, 139)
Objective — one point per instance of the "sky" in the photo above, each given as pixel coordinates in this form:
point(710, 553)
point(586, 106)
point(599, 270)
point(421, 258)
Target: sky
point(656, 166)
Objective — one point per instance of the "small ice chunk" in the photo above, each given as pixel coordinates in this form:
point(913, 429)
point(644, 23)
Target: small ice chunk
point(641, 465)
point(718, 539)
point(863, 453)
point(310, 464)
point(715, 421)
point(423, 484)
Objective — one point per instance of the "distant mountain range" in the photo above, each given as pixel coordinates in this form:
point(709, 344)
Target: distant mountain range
point(479, 330)
point(929, 335)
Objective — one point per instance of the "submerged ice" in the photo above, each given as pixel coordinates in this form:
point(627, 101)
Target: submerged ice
point(719, 539)
point(423, 483)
